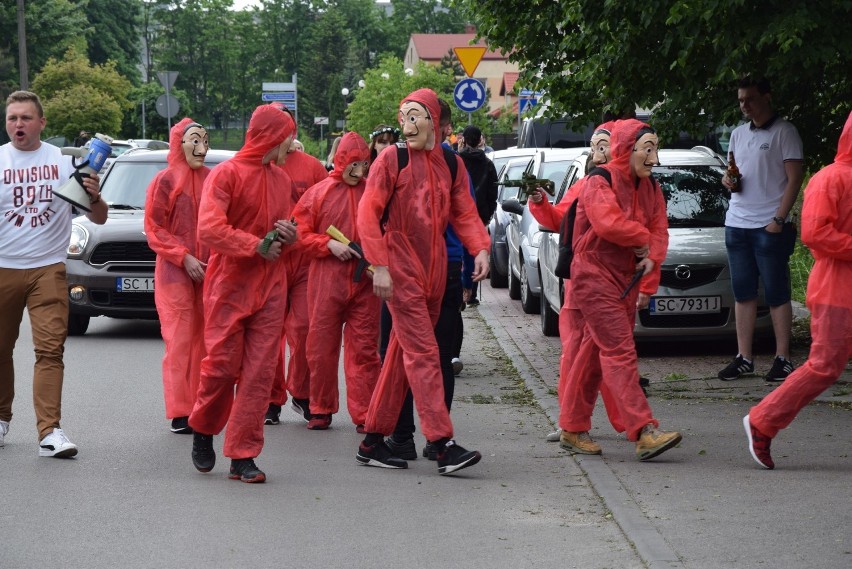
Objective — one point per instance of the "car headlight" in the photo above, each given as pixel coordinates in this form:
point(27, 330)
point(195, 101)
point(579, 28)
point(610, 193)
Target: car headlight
point(536, 239)
point(79, 239)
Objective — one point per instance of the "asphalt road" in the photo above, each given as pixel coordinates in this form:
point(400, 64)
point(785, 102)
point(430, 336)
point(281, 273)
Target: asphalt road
point(132, 498)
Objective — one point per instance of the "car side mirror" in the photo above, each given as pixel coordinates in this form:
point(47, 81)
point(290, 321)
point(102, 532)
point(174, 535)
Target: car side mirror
point(512, 205)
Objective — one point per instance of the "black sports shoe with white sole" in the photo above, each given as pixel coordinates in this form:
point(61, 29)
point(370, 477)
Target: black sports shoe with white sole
point(452, 457)
point(379, 455)
point(739, 366)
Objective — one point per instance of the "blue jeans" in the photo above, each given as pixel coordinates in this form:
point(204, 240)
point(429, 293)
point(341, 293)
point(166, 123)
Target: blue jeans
point(757, 253)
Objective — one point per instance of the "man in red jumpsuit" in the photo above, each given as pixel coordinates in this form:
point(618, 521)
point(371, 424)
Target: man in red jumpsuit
point(171, 219)
point(337, 304)
point(245, 293)
point(827, 231)
point(305, 171)
point(550, 216)
point(617, 223)
point(410, 257)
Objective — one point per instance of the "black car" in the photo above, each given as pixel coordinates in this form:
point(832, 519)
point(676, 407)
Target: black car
point(110, 267)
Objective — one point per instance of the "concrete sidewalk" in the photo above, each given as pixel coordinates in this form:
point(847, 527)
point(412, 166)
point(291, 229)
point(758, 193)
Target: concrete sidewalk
point(706, 503)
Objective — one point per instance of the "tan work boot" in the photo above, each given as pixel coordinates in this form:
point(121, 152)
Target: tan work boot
point(653, 442)
point(579, 443)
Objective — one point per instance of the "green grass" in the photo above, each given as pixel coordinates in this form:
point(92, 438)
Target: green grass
point(801, 264)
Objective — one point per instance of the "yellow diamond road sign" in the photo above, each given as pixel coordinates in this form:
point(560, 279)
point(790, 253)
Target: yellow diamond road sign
point(469, 57)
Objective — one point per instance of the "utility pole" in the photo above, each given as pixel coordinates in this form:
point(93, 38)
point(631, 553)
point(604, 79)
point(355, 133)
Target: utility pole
point(22, 47)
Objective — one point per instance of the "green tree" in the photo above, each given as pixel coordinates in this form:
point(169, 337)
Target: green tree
point(52, 27)
point(77, 95)
point(681, 58)
point(422, 17)
point(114, 35)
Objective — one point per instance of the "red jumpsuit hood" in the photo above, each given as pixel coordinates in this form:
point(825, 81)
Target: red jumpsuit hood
point(428, 99)
point(607, 126)
point(268, 128)
point(844, 145)
point(622, 142)
point(352, 148)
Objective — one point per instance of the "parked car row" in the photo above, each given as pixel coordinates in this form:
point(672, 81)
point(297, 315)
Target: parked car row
point(694, 299)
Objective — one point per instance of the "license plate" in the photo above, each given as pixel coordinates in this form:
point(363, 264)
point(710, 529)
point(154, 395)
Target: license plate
point(685, 305)
point(134, 284)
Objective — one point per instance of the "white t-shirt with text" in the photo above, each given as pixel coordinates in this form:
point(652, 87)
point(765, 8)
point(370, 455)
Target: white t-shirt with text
point(35, 225)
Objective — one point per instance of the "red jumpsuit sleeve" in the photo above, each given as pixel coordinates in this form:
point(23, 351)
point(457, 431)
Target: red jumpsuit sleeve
point(463, 215)
point(819, 219)
point(607, 218)
point(160, 238)
point(659, 244)
point(380, 184)
point(548, 215)
point(312, 239)
point(213, 227)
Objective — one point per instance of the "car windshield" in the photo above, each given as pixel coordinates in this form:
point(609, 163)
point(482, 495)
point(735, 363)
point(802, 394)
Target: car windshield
point(126, 183)
point(512, 173)
point(555, 172)
point(119, 149)
point(694, 195)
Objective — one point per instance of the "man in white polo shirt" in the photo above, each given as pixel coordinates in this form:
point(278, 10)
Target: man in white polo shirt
point(758, 233)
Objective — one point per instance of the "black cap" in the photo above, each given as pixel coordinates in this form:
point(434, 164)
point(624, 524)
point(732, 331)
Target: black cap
point(472, 135)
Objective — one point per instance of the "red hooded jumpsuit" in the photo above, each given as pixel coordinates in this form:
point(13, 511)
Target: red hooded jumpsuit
point(337, 305)
point(420, 201)
point(171, 219)
point(827, 231)
point(244, 294)
point(305, 171)
point(550, 216)
point(611, 221)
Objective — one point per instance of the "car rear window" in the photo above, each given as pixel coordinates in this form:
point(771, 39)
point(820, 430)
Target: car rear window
point(694, 195)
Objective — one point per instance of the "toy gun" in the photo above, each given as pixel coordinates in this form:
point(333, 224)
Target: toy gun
point(363, 264)
point(271, 237)
point(529, 183)
point(637, 276)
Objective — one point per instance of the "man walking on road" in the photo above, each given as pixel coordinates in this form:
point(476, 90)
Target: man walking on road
point(758, 233)
point(827, 231)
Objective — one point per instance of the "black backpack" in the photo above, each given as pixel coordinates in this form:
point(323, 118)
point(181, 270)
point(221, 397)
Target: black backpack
point(566, 232)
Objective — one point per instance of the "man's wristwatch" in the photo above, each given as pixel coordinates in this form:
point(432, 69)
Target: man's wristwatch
point(779, 220)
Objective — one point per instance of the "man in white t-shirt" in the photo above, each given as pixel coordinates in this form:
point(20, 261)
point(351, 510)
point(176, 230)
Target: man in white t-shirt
point(758, 233)
point(35, 227)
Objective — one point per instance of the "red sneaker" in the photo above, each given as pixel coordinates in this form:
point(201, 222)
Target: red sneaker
point(319, 422)
point(758, 445)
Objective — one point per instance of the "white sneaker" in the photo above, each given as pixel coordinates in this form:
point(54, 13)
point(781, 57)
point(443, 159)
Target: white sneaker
point(56, 444)
point(554, 436)
point(458, 366)
point(4, 428)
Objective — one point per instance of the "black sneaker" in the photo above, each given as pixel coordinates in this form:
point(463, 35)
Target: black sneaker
point(245, 470)
point(273, 415)
point(379, 455)
point(738, 366)
point(302, 407)
point(453, 458)
point(203, 455)
point(430, 451)
point(473, 302)
point(404, 448)
point(180, 426)
point(781, 368)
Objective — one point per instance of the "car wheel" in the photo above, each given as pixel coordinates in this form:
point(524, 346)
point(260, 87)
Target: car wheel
point(77, 324)
point(496, 279)
point(549, 319)
point(529, 302)
point(514, 284)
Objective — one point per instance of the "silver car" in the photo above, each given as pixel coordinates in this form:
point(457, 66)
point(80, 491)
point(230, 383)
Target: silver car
point(498, 271)
point(694, 299)
point(522, 234)
point(110, 267)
